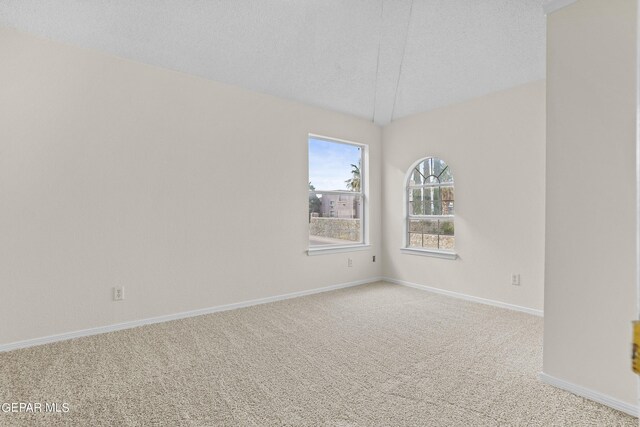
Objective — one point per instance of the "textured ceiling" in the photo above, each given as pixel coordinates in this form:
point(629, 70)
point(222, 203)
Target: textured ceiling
point(378, 59)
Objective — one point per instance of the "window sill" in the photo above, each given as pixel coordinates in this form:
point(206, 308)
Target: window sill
point(323, 250)
point(428, 252)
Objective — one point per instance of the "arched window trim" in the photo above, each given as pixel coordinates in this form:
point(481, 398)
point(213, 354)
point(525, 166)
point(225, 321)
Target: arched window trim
point(438, 253)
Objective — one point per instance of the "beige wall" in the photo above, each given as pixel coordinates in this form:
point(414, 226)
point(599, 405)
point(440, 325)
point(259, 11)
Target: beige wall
point(189, 193)
point(590, 294)
point(495, 147)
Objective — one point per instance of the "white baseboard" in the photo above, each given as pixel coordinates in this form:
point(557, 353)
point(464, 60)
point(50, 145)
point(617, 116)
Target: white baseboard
point(135, 323)
point(494, 303)
point(590, 394)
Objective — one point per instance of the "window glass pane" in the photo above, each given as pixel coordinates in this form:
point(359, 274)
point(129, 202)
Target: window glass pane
point(431, 177)
point(416, 205)
point(431, 201)
point(416, 177)
point(334, 166)
point(433, 207)
point(447, 195)
point(334, 219)
point(448, 208)
point(431, 234)
point(447, 238)
point(446, 227)
point(441, 170)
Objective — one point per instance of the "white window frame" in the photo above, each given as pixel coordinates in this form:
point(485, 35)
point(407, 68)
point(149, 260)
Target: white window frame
point(364, 200)
point(436, 253)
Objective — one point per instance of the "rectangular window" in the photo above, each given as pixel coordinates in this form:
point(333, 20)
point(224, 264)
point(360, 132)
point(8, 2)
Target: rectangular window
point(336, 193)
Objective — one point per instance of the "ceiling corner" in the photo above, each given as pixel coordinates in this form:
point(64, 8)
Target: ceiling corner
point(551, 6)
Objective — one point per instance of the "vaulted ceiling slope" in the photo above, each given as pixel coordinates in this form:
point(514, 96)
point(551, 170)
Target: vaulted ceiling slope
point(377, 59)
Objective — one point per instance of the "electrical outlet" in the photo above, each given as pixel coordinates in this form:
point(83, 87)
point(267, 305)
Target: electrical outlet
point(515, 279)
point(350, 263)
point(118, 293)
point(374, 258)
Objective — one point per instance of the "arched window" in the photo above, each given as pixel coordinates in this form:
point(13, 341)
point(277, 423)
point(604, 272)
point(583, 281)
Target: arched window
point(430, 207)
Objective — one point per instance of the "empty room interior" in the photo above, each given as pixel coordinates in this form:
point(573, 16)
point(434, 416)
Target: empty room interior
point(319, 213)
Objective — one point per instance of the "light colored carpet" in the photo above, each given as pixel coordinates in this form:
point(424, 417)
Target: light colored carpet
point(374, 355)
